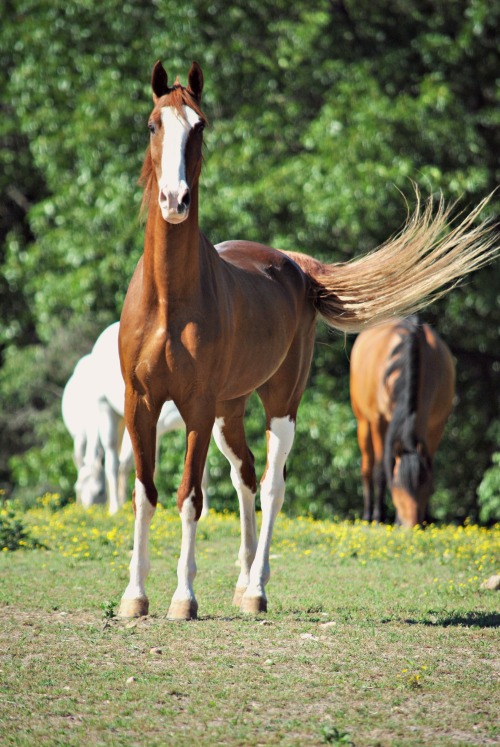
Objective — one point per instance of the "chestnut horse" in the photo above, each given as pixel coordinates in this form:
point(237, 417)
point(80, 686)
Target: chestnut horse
point(205, 326)
point(92, 405)
point(110, 390)
point(402, 389)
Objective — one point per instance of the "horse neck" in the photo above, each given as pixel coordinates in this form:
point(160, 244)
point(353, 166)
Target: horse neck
point(171, 253)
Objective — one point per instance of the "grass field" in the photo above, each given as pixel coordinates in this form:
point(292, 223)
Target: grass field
point(374, 636)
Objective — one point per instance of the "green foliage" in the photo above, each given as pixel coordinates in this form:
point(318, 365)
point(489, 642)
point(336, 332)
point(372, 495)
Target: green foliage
point(108, 610)
point(320, 116)
point(332, 735)
point(13, 532)
point(489, 492)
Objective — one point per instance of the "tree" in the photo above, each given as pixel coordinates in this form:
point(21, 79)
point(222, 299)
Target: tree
point(320, 116)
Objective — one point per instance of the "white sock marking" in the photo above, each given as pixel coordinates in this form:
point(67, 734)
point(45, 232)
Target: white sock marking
point(272, 493)
point(139, 563)
point(186, 567)
point(246, 499)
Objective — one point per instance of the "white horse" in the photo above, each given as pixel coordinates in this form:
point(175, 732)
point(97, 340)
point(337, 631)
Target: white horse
point(81, 417)
point(105, 384)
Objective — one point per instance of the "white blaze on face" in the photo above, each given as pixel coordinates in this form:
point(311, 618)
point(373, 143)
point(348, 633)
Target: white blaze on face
point(172, 183)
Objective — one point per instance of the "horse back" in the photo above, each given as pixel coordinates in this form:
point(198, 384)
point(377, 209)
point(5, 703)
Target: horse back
point(263, 262)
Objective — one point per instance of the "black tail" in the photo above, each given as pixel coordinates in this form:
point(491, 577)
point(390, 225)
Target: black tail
point(401, 438)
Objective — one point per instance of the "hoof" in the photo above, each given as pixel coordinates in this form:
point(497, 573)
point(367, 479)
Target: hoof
point(133, 607)
point(185, 609)
point(238, 595)
point(253, 605)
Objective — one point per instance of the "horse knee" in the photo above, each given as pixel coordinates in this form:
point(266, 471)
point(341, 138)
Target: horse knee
point(194, 495)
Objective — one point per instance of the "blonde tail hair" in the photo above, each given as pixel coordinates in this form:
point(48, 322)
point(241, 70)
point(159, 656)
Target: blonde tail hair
point(423, 262)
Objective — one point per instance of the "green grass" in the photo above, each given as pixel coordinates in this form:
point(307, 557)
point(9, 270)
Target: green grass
point(374, 636)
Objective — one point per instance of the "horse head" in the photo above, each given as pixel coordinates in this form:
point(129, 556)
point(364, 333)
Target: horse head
point(176, 125)
point(411, 484)
point(90, 486)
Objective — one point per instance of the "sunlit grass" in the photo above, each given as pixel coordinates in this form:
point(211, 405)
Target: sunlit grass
point(374, 635)
point(81, 535)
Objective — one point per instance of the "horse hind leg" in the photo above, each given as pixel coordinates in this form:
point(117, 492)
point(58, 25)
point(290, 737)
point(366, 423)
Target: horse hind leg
point(230, 438)
point(280, 435)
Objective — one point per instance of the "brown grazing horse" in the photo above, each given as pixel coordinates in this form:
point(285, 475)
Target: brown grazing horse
point(402, 389)
point(207, 326)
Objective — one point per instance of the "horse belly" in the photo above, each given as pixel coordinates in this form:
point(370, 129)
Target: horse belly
point(257, 354)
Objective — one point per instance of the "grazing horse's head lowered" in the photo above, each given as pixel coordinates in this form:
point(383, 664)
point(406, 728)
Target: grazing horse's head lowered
point(206, 326)
point(176, 125)
point(409, 473)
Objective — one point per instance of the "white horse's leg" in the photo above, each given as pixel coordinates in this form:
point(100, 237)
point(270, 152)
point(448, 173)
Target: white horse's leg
point(108, 432)
point(246, 500)
point(90, 481)
point(125, 464)
point(134, 602)
point(79, 447)
point(280, 440)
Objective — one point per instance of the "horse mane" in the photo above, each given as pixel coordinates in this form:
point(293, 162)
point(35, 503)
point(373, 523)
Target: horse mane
point(178, 97)
point(401, 438)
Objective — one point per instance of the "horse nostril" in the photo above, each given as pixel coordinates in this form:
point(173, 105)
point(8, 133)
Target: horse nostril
point(186, 199)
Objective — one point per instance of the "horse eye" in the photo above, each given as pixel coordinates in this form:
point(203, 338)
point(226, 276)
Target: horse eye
point(152, 127)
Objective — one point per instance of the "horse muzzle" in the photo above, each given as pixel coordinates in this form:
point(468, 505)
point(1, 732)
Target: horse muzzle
point(174, 204)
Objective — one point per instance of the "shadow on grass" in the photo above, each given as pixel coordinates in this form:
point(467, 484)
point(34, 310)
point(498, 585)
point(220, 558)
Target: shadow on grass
point(468, 620)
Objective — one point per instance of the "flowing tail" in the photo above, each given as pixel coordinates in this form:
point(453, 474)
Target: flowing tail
point(420, 264)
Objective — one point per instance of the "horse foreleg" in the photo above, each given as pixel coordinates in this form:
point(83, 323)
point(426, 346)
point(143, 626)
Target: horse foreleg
point(190, 501)
point(366, 448)
point(378, 431)
point(280, 435)
point(141, 424)
point(90, 483)
point(229, 436)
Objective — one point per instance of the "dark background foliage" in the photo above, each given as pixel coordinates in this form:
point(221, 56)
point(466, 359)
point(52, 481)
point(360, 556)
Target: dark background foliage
point(321, 119)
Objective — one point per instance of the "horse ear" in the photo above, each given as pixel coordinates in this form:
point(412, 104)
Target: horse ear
point(159, 81)
point(195, 81)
